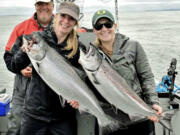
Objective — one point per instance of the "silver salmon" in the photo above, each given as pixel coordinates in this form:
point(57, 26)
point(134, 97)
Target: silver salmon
point(114, 88)
point(61, 77)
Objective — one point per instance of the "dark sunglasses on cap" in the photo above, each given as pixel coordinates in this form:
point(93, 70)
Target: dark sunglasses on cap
point(99, 26)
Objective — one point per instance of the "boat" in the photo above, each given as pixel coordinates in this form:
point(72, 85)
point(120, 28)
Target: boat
point(169, 99)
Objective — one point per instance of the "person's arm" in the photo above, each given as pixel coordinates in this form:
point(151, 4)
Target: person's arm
point(16, 59)
point(12, 46)
point(147, 82)
point(145, 76)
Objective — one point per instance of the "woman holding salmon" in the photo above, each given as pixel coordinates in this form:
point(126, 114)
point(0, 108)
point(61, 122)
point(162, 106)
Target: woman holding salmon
point(43, 112)
point(130, 61)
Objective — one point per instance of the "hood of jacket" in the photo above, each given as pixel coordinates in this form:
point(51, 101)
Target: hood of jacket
point(120, 41)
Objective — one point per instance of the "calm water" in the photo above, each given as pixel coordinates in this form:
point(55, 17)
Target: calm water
point(7, 23)
point(158, 32)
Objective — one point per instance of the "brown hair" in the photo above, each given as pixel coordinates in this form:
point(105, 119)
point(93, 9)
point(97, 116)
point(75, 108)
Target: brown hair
point(97, 42)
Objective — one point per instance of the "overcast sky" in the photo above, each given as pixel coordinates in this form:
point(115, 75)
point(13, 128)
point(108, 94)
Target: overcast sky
point(30, 3)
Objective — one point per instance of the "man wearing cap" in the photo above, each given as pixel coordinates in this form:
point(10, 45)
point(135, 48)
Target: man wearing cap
point(41, 20)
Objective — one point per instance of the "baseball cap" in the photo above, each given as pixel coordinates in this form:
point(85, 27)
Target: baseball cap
point(36, 1)
point(103, 13)
point(69, 8)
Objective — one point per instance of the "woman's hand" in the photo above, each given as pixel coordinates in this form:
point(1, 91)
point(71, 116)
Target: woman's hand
point(27, 72)
point(74, 104)
point(158, 110)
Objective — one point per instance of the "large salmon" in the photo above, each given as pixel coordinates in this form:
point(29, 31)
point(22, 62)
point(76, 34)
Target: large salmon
point(114, 88)
point(64, 80)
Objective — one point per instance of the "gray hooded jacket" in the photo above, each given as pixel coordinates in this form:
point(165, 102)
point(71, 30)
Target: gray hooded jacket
point(130, 61)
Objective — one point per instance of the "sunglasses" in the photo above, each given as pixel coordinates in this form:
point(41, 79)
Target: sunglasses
point(99, 26)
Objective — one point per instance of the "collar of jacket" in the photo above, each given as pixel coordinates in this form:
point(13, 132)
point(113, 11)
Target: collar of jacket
point(50, 37)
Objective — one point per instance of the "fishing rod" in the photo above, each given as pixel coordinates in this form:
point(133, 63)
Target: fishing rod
point(117, 15)
point(172, 75)
point(168, 86)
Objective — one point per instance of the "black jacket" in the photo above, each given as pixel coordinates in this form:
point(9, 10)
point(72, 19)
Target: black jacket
point(41, 102)
point(14, 43)
point(20, 82)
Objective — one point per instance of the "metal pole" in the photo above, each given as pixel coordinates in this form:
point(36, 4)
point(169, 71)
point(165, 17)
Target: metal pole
point(117, 15)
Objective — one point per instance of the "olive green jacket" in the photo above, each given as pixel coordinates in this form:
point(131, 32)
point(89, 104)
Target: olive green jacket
point(130, 61)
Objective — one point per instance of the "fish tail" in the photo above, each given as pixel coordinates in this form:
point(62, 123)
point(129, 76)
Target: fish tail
point(101, 131)
point(166, 123)
point(174, 122)
point(110, 126)
point(166, 120)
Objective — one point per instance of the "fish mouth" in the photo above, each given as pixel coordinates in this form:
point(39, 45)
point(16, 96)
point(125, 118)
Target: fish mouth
point(35, 40)
point(84, 49)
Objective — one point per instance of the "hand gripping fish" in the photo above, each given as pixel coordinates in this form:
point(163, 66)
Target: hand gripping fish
point(116, 91)
point(62, 78)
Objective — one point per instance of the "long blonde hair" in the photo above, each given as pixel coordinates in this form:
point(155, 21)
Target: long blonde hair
point(72, 42)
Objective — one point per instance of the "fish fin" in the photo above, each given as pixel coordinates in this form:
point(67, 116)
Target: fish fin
point(114, 109)
point(62, 101)
point(25, 42)
point(83, 112)
point(95, 79)
point(38, 66)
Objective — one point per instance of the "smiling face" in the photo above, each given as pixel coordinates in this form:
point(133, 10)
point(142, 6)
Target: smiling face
point(64, 23)
point(106, 33)
point(44, 12)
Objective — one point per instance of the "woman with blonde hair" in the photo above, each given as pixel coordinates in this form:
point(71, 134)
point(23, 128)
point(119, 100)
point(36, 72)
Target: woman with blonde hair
point(43, 112)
